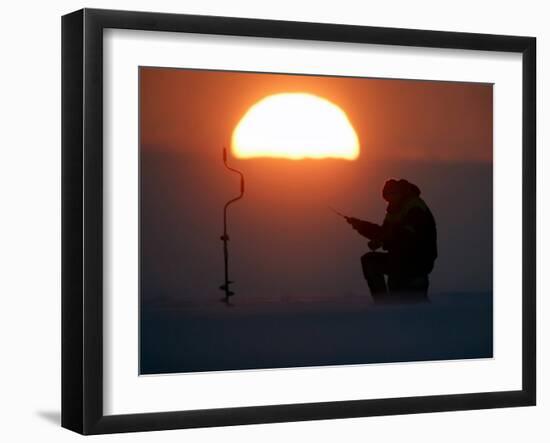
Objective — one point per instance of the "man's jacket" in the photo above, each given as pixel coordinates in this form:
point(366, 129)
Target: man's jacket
point(409, 235)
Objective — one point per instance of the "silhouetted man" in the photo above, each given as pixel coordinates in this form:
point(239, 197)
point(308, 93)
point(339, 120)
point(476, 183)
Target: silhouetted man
point(408, 234)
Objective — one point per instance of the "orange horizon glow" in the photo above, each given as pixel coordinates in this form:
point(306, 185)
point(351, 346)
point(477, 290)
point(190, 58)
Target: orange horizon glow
point(295, 126)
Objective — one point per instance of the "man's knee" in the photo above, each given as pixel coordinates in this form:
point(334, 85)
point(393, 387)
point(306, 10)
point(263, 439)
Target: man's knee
point(372, 262)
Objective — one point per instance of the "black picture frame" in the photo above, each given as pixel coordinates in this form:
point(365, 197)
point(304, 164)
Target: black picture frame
point(82, 219)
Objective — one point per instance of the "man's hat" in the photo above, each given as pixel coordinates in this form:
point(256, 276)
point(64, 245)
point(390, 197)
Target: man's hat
point(401, 186)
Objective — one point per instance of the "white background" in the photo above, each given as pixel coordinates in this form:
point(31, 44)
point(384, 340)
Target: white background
point(30, 223)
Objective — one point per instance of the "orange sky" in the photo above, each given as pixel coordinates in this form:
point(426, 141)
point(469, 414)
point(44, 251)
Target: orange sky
point(415, 120)
point(437, 135)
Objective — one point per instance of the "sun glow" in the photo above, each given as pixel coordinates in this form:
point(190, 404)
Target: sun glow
point(295, 126)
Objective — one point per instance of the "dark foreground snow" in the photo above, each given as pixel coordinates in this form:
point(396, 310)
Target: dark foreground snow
point(176, 337)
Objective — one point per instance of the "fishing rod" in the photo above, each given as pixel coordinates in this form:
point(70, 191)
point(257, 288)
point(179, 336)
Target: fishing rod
point(225, 237)
point(347, 218)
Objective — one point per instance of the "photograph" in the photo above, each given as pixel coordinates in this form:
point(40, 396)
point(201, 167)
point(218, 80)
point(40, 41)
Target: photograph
point(290, 220)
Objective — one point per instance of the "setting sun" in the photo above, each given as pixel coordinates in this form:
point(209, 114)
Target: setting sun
point(295, 126)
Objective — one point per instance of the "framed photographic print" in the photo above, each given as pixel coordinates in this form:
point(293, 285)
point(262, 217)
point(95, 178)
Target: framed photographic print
point(269, 221)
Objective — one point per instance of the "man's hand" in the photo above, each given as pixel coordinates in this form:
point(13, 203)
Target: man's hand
point(366, 229)
point(374, 245)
